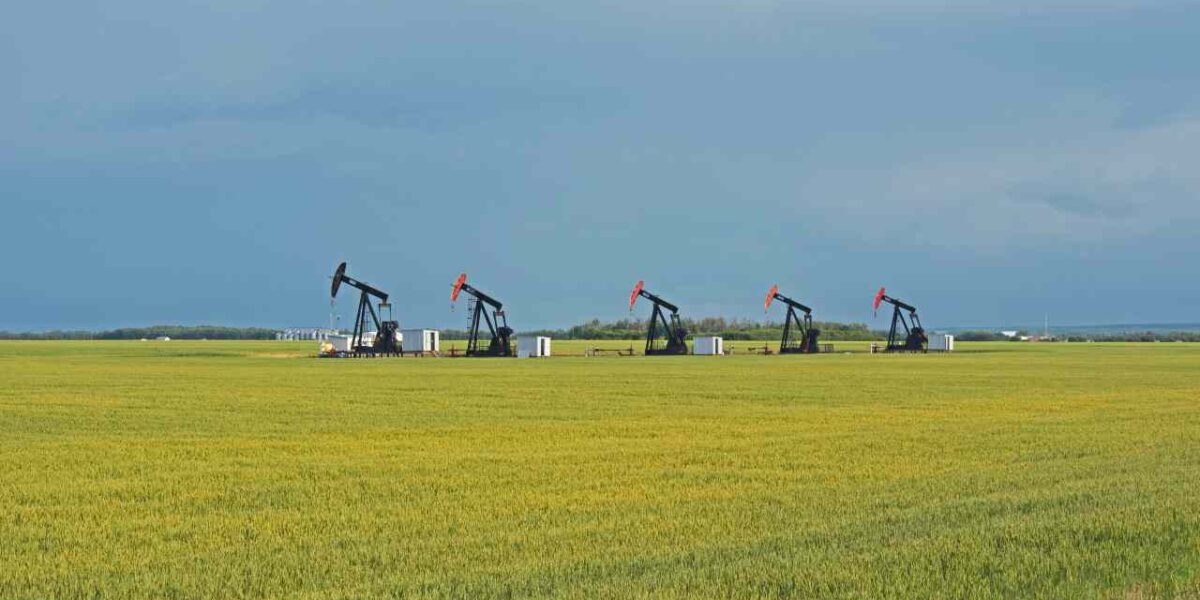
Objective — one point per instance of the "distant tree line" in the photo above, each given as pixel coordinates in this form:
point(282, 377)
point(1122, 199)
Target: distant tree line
point(200, 332)
point(1133, 336)
point(624, 329)
point(1142, 336)
point(730, 329)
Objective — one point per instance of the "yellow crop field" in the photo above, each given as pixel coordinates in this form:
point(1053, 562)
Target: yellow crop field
point(248, 469)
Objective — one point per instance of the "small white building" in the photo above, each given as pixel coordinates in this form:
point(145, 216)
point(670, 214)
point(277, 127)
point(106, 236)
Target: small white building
point(340, 343)
point(708, 345)
point(347, 340)
point(941, 342)
point(162, 338)
point(533, 346)
point(421, 340)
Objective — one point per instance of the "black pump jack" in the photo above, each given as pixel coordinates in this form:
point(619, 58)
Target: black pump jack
point(807, 334)
point(496, 320)
point(915, 339)
point(673, 338)
point(385, 343)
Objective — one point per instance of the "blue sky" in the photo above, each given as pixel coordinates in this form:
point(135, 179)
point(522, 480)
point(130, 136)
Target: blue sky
point(211, 162)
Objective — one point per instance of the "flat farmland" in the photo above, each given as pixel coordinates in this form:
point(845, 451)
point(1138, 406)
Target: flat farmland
point(248, 469)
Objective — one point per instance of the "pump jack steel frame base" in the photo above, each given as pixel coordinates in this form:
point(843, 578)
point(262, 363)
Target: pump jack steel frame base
point(672, 340)
point(385, 343)
point(497, 323)
point(809, 336)
point(499, 344)
point(915, 339)
point(808, 342)
point(675, 335)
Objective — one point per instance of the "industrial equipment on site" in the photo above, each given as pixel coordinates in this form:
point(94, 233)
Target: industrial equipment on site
point(385, 341)
point(495, 319)
point(915, 339)
point(799, 336)
point(708, 345)
point(663, 336)
point(421, 340)
point(941, 342)
point(533, 346)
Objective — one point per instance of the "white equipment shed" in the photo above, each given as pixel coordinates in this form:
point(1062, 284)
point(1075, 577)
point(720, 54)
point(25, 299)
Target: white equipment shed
point(941, 342)
point(421, 340)
point(533, 346)
point(340, 343)
point(708, 346)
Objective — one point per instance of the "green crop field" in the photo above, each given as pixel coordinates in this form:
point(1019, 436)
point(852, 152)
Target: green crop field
point(247, 469)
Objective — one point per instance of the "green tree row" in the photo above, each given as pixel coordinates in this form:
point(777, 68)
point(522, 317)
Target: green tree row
point(730, 329)
point(205, 332)
point(624, 329)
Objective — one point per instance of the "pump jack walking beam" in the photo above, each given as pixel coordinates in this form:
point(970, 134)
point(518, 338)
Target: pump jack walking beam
point(385, 331)
point(671, 329)
point(808, 342)
point(915, 339)
point(495, 319)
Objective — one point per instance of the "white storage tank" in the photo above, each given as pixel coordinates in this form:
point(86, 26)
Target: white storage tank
point(708, 346)
point(421, 340)
point(941, 342)
point(533, 346)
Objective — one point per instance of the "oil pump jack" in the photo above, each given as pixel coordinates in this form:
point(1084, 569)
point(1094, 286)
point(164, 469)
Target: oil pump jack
point(915, 339)
point(385, 343)
point(807, 334)
point(496, 321)
point(674, 336)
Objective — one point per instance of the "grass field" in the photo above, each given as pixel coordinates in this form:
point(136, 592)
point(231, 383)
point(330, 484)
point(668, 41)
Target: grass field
point(245, 469)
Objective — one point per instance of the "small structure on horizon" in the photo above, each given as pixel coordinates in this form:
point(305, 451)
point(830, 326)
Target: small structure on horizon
point(941, 342)
point(421, 340)
point(709, 345)
point(292, 334)
point(533, 346)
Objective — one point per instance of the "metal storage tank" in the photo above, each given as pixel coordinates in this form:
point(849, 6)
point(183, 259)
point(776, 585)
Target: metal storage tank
point(421, 340)
point(941, 342)
point(533, 346)
point(708, 345)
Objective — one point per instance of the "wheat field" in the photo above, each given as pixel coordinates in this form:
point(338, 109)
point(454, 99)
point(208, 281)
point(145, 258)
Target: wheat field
point(250, 470)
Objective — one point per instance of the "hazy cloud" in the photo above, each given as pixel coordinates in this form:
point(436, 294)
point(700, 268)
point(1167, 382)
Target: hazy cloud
point(710, 147)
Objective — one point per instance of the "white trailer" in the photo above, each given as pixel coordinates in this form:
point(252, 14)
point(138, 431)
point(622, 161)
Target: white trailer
point(941, 342)
point(708, 346)
point(421, 340)
point(533, 346)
